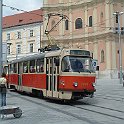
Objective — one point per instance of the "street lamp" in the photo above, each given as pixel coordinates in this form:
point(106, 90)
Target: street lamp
point(1, 57)
point(118, 14)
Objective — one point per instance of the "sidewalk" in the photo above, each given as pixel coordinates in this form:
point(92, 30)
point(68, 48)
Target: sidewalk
point(108, 81)
point(109, 87)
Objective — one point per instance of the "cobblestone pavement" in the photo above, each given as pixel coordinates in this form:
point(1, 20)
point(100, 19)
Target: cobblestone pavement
point(109, 96)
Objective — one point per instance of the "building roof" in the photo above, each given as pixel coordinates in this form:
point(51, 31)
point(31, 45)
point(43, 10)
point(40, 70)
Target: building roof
point(23, 18)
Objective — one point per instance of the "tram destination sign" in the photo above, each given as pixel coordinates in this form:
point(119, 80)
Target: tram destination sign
point(80, 52)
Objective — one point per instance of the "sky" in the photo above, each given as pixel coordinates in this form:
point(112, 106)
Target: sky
point(27, 5)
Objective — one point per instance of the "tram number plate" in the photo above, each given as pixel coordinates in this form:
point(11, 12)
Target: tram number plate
point(85, 84)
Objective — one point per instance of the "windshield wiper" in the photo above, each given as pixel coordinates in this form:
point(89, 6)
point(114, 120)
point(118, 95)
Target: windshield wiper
point(88, 70)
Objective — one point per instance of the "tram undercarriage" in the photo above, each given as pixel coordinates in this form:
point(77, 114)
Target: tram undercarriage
point(80, 95)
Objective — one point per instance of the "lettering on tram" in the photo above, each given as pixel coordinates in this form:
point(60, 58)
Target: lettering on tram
point(60, 73)
point(80, 52)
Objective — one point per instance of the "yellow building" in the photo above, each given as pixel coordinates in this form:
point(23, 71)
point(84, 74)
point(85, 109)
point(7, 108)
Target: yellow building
point(90, 25)
point(22, 33)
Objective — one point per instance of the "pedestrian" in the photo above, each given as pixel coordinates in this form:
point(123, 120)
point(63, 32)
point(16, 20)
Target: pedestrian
point(123, 79)
point(3, 89)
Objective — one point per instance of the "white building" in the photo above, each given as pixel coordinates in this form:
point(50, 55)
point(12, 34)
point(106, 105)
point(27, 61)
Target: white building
point(22, 33)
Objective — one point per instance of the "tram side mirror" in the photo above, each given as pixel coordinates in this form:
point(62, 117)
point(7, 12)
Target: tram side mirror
point(56, 61)
point(97, 68)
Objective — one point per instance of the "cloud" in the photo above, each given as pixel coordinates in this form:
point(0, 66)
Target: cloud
point(26, 5)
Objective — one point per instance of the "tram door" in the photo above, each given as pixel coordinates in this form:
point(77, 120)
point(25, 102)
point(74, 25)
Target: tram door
point(20, 70)
point(52, 71)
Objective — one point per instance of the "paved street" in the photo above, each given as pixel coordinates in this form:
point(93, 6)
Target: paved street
point(107, 107)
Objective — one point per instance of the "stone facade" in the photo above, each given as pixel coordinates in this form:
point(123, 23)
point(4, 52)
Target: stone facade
point(97, 33)
point(22, 34)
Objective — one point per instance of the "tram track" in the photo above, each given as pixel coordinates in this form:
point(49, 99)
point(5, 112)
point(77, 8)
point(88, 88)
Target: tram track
point(103, 107)
point(78, 103)
point(108, 108)
point(121, 99)
point(98, 112)
point(93, 110)
point(58, 110)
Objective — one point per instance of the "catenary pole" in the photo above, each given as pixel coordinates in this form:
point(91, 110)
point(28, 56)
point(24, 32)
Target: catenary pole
point(118, 14)
point(1, 57)
point(120, 46)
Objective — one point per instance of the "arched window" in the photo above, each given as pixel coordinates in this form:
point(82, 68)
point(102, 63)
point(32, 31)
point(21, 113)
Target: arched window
point(90, 21)
point(101, 15)
point(102, 56)
point(78, 23)
point(66, 25)
point(101, 18)
point(53, 23)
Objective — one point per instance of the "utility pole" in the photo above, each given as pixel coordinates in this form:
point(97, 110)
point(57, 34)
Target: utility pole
point(1, 56)
point(118, 14)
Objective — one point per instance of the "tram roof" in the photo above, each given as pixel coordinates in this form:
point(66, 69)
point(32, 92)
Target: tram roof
point(36, 56)
point(28, 58)
point(43, 55)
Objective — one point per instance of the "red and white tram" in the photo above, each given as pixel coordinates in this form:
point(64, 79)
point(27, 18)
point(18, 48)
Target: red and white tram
point(63, 74)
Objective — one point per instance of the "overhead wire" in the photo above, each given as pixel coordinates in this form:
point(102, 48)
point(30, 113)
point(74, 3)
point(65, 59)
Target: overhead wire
point(13, 8)
point(97, 24)
point(17, 9)
point(94, 25)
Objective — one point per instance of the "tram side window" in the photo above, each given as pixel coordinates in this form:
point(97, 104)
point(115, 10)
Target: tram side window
point(11, 69)
point(65, 64)
point(25, 67)
point(40, 65)
point(15, 68)
point(5, 69)
point(32, 66)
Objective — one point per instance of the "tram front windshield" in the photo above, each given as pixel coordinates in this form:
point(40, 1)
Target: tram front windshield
point(77, 64)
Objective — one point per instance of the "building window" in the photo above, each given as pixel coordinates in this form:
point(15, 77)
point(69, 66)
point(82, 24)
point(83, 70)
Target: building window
point(102, 56)
point(19, 35)
point(66, 25)
point(31, 47)
point(90, 21)
point(53, 23)
point(18, 49)
point(31, 33)
point(78, 23)
point(101, 15)
point(8, 49)
point(8, 36)
point(101, 18)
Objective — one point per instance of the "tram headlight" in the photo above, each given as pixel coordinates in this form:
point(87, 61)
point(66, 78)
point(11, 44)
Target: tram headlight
point(75, 84)
point(94, 84)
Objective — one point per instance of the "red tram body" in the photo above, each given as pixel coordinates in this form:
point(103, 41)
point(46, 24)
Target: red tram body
point(61, 74)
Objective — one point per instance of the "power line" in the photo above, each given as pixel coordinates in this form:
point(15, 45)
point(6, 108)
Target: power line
point(1, 51)
point(17, 9)
point(98, 24)
point(13, 8)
